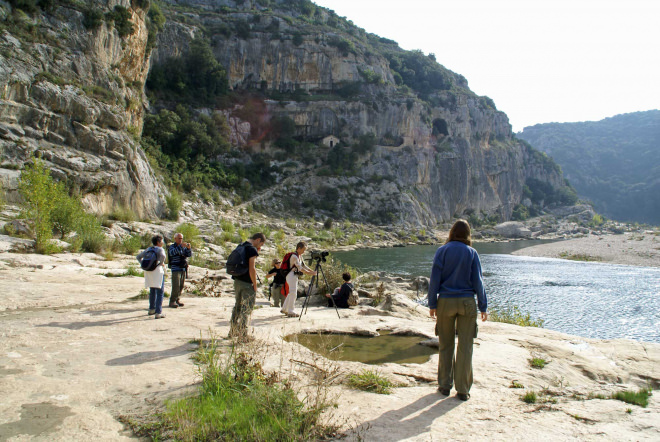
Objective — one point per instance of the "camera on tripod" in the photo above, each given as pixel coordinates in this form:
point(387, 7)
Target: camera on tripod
point(318, 256)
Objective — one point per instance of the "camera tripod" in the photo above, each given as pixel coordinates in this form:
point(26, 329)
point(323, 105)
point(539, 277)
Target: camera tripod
point(315, 278)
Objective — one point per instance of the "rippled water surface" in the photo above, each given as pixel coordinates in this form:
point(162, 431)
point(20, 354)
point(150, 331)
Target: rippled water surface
point(588, 299)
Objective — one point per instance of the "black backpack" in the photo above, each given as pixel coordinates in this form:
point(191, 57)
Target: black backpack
point(149, 261)
point(237, 264)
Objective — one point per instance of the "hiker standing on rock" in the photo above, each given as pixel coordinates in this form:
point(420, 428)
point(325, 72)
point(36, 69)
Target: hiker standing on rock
point(293, 265)
point(241, 264)
point(455, 279)
point(177, 258)
point(152, 261)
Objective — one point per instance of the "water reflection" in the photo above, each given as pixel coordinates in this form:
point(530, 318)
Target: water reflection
point(369, 350)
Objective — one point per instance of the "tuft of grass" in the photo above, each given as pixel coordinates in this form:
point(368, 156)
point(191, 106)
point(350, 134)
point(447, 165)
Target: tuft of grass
point(372, 381)
point(640, 397)
point(516, 384)
point(529, 397)
point(238, 400)
point(144, 294)
point(130, 271)
point(134, 271)
point(537, 362)
point(629, 410)
point(513, 315)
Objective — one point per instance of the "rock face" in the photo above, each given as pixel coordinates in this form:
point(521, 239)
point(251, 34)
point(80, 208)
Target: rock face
point(450, 154)
point(73, 96)
point(513, 229)
point(76, 96)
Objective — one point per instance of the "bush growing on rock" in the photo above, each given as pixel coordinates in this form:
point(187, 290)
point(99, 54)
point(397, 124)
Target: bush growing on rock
point(174, 203)
point(40, 196)
point(190, 233)
point(50, 207)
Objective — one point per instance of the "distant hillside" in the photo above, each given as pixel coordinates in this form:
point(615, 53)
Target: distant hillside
point(614, 162)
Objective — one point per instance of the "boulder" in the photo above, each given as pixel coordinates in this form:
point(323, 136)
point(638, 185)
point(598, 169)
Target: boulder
point(19, 227)
point(420, 283)
point(513, 229)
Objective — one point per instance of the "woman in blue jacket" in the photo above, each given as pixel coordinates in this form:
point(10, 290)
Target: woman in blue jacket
point(455, 279)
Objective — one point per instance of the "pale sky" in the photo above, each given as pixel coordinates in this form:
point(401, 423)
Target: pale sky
point(541, 61)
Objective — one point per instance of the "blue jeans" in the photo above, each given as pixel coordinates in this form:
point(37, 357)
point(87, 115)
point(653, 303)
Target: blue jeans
point(156, 298)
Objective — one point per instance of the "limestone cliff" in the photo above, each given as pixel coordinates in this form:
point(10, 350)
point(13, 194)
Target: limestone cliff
point(440, 153)
point(72, 87)
point(72, 91)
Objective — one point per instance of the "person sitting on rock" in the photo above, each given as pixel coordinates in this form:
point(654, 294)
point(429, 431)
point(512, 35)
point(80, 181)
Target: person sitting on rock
point(341, 294)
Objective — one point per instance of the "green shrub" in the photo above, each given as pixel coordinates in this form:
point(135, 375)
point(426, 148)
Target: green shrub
point(121, 18)
point(92, 18)
point(227, 226)
point(40, 198)
point(131, 244)
point(90, 233)
point(124, 214)
point(520, 213)
point(190, 234)
point(244, 234)
point(174, 204)
point(640, 397)
point(372, 381)
point(597, 221)
point(67, 216)
point(333, 270)
point(513, 315)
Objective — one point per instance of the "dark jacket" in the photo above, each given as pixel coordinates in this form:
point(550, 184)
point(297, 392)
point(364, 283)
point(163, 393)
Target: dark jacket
point(341, 300)
point(178, 257)
point(456, 273)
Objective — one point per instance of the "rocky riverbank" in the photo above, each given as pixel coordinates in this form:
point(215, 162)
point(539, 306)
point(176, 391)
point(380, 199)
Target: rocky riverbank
point(79, 351)
point(630, 248)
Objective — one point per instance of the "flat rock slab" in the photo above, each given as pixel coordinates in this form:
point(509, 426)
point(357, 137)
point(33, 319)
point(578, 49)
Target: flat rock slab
point(77, 352)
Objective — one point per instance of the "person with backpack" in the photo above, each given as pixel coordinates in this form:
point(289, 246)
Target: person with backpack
point(292, 266)
point(455, 279)
point(276, 285)
point(152, 261)
point(341, 295)
point(177, 260)
point(241, 264)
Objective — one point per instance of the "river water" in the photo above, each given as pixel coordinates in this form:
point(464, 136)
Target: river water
point(594, 300)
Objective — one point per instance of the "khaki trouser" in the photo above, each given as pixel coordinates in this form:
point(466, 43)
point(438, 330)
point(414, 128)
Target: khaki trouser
point(276, 295)
point(240, 316)
point(178, 280)
point(456, 314)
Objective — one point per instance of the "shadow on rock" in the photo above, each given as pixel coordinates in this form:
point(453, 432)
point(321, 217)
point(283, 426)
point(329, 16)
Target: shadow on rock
point(84, 324)
point(412, 420)
point(144, 357)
